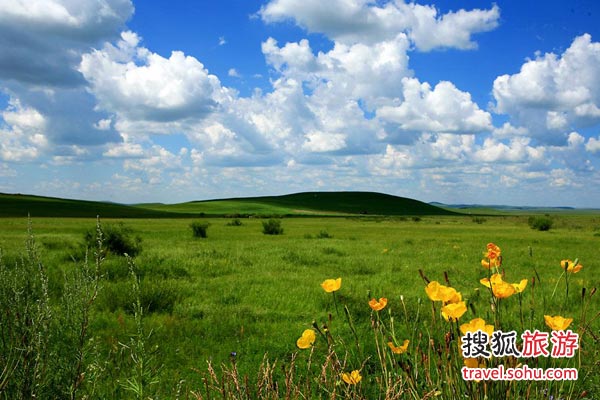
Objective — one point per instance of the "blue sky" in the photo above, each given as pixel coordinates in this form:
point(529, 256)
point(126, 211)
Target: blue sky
point(449, 101)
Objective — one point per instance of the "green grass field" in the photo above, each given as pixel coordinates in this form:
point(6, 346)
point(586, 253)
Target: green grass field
point(242, 291)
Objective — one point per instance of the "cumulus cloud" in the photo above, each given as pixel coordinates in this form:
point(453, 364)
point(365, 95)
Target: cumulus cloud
point(23, 136)
point(553, 94)
point(593, 145)
point(137, 84)
point(517, 150)
point(354, 21)
point(441, 109)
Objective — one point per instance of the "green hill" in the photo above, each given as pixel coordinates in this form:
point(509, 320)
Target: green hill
point(308, 203)
point(18, 205)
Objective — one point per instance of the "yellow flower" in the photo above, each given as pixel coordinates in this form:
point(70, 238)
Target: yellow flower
point(503, 290)
point(331, 285)
point(307, 339)
point(494, 263)
point(352, 378)
point(520, 287)
point(454, 311)
point(557, 323)
point(399, 349)
point(432, 290)
point(437, 292)
point(500, 289)
point(378, 305)
point(571, 266)
point(477, 324)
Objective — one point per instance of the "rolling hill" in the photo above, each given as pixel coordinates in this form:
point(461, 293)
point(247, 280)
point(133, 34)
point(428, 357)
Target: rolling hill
point(298, 204)
point(309, 203)
point(19, 205)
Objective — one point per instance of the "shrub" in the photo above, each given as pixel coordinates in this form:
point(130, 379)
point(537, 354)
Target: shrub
point(116, 238)
point(272, 227)
point(235, 222)
point(478, 220)
point(199, 229)
point(540, 223)
point(324, 235)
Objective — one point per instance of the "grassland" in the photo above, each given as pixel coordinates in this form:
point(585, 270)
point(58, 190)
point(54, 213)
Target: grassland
point(239, 291)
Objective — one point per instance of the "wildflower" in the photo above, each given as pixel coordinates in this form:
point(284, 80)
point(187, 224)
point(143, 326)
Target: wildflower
point(477, 324)
point(437, 292)
point(493, 255)
point(570, 266)
point(352, 378)
point(454, 311)
point(307, 339)
point(378, 305)
point(557, 323)
point(331, 285)
point(399, 349)
point(500, 289)
point(520, 287)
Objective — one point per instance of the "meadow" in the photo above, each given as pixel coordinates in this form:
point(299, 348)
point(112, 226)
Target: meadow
point(220, 317)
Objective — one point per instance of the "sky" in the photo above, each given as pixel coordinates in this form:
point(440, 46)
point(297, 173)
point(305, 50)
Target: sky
point(467, 101)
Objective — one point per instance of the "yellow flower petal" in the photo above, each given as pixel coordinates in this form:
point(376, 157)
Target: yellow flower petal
point(557, 323)
point(437, 292)
point(399, 349)
point(331, 285)
point(378, 305)
point(432, 290)
point(520, 287)
point(571, 266)
point(351, 378)
point(477, 324)
point(454, 311)
point(307, 339)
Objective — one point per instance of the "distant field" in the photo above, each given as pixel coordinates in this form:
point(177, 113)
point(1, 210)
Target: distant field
point(245, 292)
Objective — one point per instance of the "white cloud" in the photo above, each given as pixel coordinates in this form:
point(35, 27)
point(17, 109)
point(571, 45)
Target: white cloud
point(324, 142)
point(593, 145)
point(354, 21)
point(443, 109)
point(233, 73)
point(149, 86)
point(517, 150)
point(124, 150)
point(508, 131)
point(554, 94)
point(23, 138)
